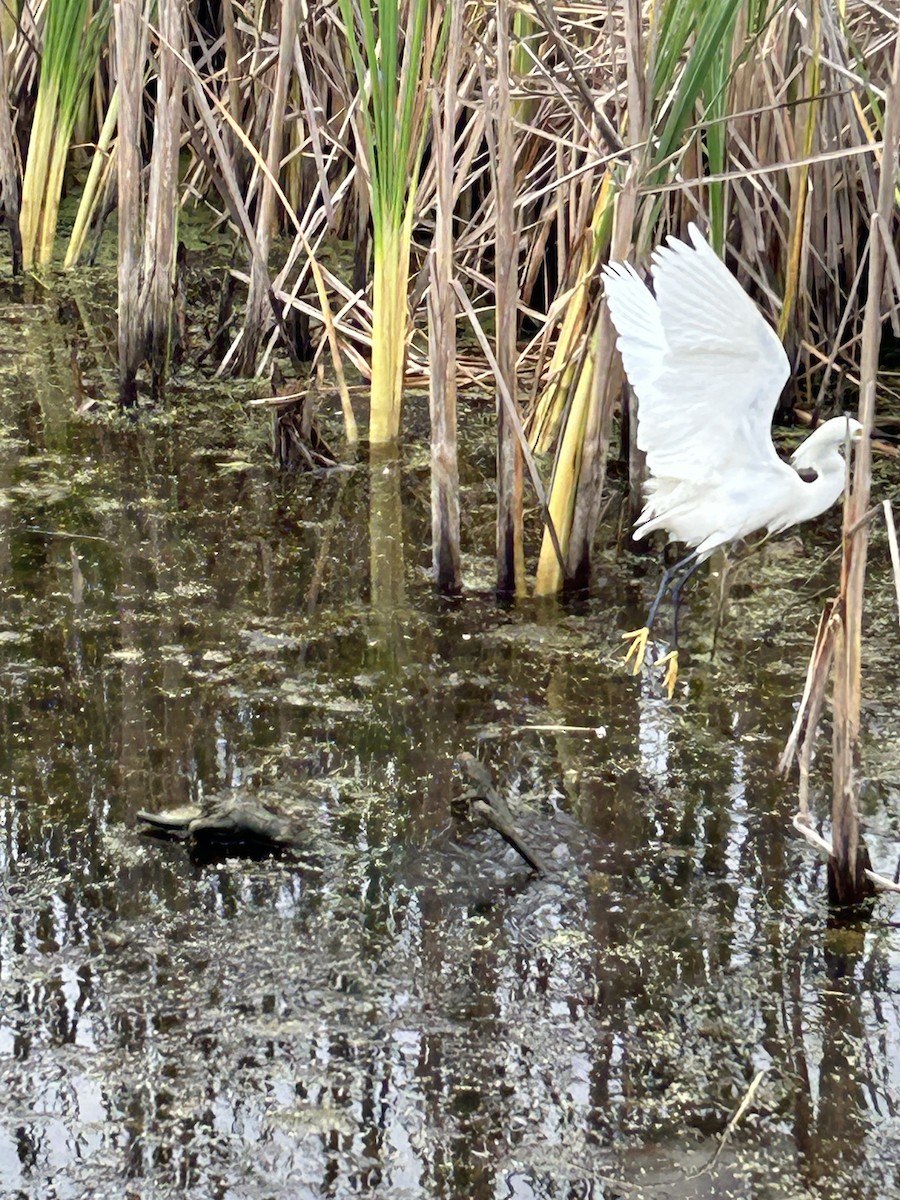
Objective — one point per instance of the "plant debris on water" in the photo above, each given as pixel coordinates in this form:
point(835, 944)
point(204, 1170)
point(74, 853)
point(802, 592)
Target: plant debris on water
point(395, 1004)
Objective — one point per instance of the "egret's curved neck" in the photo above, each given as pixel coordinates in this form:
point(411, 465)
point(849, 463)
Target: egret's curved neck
point(821, 492)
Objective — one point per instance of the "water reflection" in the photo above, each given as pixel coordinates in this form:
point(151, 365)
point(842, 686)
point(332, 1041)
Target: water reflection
point(399, 1009)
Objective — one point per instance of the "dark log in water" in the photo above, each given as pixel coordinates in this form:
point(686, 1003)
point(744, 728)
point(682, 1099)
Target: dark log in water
point(487, 802)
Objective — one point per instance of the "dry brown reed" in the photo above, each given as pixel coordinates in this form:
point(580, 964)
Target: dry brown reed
point(445, 547)
point(10, 198)
point(576, 127)
point(838, 650)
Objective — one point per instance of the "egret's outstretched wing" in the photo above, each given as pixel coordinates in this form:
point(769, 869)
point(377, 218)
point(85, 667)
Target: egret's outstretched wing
point(636, 317)
point(706, 366)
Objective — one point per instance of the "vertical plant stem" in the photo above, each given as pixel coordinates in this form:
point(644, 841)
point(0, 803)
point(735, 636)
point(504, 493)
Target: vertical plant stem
point(259, 306)
point(37, 167)
point(74, 32)
point(10, 199)
point(130, 71)
point(232, 69)
point(636, 61)
point(799, 176)
point(393, 61)
point(160, 235)
point(390, 281)
point(592, 468)
point(445, 552)
point(563, 490)
point(510, 553)
point(577, 390)
point(100, 166)
point(847, 883)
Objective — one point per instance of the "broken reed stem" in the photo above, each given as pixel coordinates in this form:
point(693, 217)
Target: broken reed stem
point(510, 549)
point(895, 551)
point(803, 733)
point(445, 549)
point(825, 848)
point(847, 883)
point(734, 1122)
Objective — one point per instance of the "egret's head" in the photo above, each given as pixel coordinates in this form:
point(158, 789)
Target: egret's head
point(829, 436)
point(851, 429)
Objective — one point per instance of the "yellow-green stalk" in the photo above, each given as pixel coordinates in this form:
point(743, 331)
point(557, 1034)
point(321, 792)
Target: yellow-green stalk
point(563, 491)
point(551, 405)
point(393, 68)
point(73, 36)
point(101, 164)
point(390, 270)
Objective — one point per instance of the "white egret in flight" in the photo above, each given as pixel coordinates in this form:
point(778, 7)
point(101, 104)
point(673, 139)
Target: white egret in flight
point(708, 370)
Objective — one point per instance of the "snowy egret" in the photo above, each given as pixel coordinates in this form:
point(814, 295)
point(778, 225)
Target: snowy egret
point(707, 370)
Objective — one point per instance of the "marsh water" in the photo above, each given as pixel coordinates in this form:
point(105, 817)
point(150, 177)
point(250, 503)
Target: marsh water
point(399, 1008)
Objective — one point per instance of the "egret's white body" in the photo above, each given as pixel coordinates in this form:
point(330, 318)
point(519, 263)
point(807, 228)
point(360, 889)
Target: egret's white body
point(708, 370)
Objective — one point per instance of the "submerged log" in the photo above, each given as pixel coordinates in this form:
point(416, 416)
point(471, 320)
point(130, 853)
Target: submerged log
point(488, 804)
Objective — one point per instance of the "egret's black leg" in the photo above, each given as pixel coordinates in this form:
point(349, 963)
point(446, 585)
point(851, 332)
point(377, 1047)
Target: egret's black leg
point(670, 660)
point(638, 638)
point(668, 575)
point(676, 597)
point(680, 574)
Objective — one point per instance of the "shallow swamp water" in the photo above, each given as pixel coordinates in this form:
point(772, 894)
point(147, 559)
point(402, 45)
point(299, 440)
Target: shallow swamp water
point(399, 1008)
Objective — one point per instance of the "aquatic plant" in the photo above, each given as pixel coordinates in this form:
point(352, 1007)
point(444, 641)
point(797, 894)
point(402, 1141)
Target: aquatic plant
point(393, 46)
point(74, 35)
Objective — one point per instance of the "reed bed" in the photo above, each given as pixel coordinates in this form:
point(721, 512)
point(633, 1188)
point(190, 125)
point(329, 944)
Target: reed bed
point(575, 132)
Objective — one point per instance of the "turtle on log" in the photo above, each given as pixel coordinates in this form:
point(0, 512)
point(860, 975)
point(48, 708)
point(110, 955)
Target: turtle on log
point(232, 816)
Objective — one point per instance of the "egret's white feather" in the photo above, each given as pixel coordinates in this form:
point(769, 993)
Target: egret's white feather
point(708, 370)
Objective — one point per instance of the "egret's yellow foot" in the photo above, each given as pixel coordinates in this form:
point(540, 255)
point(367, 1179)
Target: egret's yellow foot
point(638, 647)
point(670, 662)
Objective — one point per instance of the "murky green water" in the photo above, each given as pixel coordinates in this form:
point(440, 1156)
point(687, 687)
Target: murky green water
point(399, 1009)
